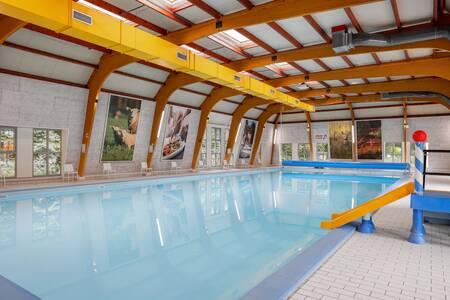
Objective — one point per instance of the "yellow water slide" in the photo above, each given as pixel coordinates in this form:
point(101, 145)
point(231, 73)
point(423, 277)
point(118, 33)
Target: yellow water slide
point(368, 207)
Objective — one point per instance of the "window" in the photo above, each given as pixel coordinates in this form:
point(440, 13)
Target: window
point(412, 153)
point(393, 152)
point(46, 152)
point(303, 151)
point(286, 152)
point(322, 151)
point(203, 158)
point(216, 146)
point(8, 151)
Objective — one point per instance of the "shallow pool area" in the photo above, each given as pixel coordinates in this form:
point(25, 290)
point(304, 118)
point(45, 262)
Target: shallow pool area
point(210, 236)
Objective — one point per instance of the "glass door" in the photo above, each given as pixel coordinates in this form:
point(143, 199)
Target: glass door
point(47, 152)
point(8, 151)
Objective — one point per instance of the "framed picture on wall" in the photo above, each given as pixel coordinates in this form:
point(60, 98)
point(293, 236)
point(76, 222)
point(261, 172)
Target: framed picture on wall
point(340, 135)
point(369, 143)
point(121, 128)
point(176, 132)
point(248, 135)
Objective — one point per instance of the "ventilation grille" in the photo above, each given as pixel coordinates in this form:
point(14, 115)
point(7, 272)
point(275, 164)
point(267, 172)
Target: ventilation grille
point(87, 19)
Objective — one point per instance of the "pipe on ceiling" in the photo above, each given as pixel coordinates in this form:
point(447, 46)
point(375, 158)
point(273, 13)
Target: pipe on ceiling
point(344, 41)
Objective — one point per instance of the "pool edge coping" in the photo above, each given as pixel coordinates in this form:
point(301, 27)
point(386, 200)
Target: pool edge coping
point(285, 281)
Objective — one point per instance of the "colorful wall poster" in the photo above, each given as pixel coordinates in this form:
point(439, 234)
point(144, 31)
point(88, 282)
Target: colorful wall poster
point(248, 135)
point(121, 129)
point(340, 140)
point(369, 143)
point(176, 133)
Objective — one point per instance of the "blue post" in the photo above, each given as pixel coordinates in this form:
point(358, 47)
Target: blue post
point(367, 225)
point(417, 235)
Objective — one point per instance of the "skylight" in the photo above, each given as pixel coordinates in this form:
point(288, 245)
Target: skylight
point(236, 36)
point(171, 5)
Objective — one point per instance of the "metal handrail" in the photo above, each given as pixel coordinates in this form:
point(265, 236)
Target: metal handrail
point(425, 155)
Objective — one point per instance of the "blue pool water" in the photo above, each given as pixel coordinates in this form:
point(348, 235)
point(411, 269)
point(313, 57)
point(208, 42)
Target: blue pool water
point(200, 237)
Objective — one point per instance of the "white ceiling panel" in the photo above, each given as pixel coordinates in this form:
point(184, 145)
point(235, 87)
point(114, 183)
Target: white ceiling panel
point(256, 51)
point(301, 30)
point(332, 115)
point(130, 85)
point(34, 64)
point(265, 33)
point(297, 117)
point(379, 112)
point(331, 18)
point(335, 62)
point(417, 53)
point(388, 56)
point(415, 11)
point(310, 66)
point(334, 82)
point(125, 4)
point(228, 53)
point(194, 14)
point(375, 16)
point(225, 106)
point(225, 7)
point(426, 109)
point(183, 97)
point(154, 17)
point(200, 87)
point(253, 113)
point(355, 81)
point(361, 59)
point(377, 79)
point(145, 71)
point(53, 45)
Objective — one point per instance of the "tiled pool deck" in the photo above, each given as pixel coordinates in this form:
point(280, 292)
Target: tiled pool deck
point(384, 265)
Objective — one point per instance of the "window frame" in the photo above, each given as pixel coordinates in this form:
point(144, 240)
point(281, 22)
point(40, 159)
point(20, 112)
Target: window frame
point(282, 151)
point(217, 139)
point(320, 152)
point(308, 150)
point(395, 145)
point(14, 129)
point(47, 153)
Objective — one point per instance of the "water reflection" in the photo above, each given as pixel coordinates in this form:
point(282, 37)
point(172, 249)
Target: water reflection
point(206, 239)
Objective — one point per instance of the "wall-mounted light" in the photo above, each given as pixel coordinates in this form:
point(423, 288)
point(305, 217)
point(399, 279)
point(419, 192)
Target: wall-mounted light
point(237, 133)
point(353, 134)
point(160, 124)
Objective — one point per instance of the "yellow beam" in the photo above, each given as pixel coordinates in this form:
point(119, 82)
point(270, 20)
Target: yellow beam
point(85, 23)
point(8, 26)
point(368, 207)
point(238, 114)
point(438, 67)
point(436, 85)
point(309, 130)
point(108, 64)
point(272, 11)
point(405, 129)
point(262, 119)
point(326, 50)
point(206, 107)
point(173, 82)
point(352, 114)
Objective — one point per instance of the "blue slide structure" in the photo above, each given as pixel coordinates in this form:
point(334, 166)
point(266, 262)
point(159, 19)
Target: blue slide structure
point(421, 200)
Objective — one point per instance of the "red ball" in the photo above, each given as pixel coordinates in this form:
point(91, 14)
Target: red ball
point(419, 136)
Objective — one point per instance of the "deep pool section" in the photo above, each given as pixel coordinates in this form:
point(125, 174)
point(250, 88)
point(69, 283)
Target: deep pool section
point(204, 237)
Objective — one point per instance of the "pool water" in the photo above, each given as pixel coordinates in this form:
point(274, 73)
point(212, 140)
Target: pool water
point(199, 237)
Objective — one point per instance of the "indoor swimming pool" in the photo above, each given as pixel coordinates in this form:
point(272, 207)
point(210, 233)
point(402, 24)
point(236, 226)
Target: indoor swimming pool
point(212, 236)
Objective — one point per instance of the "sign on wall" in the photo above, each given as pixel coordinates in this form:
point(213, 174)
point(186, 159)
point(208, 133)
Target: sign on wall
point(122, 123)
point(245, 148)
point(176, 133)
point(340, 140)
point(369, 139)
